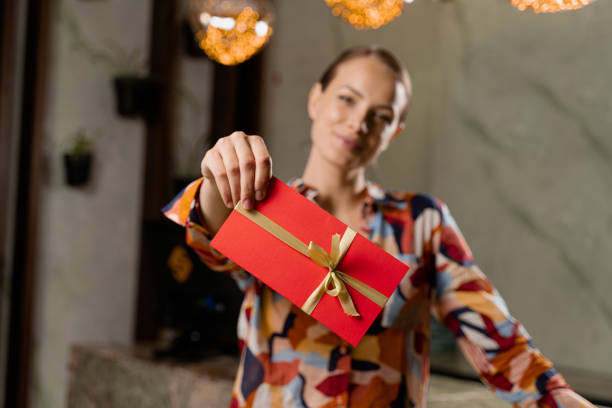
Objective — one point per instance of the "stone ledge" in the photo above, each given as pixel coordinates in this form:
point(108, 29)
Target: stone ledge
point(127, 377)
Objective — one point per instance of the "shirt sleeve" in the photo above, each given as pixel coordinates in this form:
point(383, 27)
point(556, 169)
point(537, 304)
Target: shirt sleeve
point(493, 341)
point(184, 210)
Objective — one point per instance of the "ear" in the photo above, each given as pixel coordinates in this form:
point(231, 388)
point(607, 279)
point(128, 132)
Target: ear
point(387, 142)
point(399, 129)
point(313, 99)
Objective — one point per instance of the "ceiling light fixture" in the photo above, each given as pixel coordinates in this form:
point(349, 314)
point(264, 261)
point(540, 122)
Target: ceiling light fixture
point(367, 14)
point(549, 6)
point(231, 31)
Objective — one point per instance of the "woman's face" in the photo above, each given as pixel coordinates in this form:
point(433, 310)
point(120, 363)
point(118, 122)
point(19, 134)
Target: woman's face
point(357, 115)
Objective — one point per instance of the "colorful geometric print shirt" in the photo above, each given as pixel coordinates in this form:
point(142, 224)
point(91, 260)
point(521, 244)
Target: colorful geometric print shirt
point(288, 359)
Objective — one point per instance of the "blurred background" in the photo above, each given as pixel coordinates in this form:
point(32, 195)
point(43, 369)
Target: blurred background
point(108, 106)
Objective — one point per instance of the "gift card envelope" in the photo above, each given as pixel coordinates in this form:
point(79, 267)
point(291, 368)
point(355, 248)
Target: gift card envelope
point(257, 248)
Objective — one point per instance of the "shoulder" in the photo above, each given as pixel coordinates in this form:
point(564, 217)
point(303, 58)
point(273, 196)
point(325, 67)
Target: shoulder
point(423, 201)
point(414, 202)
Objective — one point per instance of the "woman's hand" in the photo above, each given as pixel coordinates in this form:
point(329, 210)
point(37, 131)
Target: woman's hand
point(237, 168)
point(240, 166)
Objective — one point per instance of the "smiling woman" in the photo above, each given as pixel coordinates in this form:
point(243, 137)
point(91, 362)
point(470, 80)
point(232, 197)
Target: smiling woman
point(356, 115)
point(288, 358)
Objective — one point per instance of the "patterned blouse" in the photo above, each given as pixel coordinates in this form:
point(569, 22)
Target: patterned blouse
point(288, 359)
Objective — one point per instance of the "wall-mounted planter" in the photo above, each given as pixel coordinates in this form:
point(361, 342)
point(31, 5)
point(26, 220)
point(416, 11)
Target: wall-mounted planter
point(135, 96)
point(77, 168)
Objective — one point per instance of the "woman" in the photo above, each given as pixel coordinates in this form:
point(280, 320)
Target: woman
point(289, 359)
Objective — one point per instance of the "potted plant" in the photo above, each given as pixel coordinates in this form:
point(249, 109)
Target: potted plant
point(135, 94)
point(78, 158)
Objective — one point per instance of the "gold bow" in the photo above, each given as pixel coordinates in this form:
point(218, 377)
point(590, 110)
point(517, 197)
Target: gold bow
point(333, 277)
point(336, 278)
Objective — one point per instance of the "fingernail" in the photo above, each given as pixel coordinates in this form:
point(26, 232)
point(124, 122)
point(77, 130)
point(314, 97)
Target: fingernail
point(247, 203)
point(259, 195)
point(229, 204)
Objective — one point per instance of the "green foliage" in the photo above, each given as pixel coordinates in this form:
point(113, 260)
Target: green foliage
point(80, 144)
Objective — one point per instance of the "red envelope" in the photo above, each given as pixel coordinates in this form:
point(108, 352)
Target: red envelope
point(294, 275)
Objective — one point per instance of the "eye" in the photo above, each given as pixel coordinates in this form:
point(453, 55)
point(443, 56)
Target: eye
point(383, 117)
point(346, 98)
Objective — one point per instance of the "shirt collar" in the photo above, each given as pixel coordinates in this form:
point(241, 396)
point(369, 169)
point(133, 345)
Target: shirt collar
point(376, 195)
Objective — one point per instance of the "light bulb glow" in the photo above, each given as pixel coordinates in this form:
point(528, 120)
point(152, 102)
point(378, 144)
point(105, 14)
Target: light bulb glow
point(224, 23)
point(231, 31)
point(549, 6)
point(367, 14)
point(261, 28)
point(205, 19)
point(231, 41)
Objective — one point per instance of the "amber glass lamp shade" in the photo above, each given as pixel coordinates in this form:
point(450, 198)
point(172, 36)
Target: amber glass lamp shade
point(367, 14)
point(549, 6)
point(231, 31)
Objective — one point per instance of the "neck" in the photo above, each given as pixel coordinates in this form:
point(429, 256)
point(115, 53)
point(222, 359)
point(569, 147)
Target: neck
point(339, 189)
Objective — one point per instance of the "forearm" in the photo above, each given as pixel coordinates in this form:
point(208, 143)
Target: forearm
point(491, 339)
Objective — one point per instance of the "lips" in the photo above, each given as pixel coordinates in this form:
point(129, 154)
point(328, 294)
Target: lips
point(349, 143)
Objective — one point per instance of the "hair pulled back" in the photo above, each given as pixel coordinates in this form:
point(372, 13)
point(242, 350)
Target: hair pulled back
point(384, 56)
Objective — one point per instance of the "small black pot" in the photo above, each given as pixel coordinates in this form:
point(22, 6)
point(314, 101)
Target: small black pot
point(77, 168)
point(135, 96)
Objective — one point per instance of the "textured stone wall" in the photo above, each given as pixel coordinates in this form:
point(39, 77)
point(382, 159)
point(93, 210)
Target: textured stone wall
point(524, 157)
point(509, 125)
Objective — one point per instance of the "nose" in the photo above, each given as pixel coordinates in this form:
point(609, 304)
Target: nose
point(358, 121)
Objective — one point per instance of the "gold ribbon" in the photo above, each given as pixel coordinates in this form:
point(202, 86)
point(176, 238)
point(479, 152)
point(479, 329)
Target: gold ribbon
point(335, 278)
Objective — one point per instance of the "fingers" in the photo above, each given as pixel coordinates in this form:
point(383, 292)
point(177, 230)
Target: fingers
point(241, 168)
point(263, 166)
point(213, 169)
point(246, 162)
point(232, 167)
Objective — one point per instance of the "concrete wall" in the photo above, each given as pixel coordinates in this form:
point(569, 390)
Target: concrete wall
point(509, 126)
point(524, 157)
point(89, 237)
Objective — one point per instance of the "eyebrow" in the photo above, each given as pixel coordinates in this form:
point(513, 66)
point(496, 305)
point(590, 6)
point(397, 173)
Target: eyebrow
point(361, 96)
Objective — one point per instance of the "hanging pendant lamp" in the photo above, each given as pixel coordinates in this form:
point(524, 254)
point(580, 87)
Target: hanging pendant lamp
point(231, 31)
point(549, 6)
point(367, 14)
